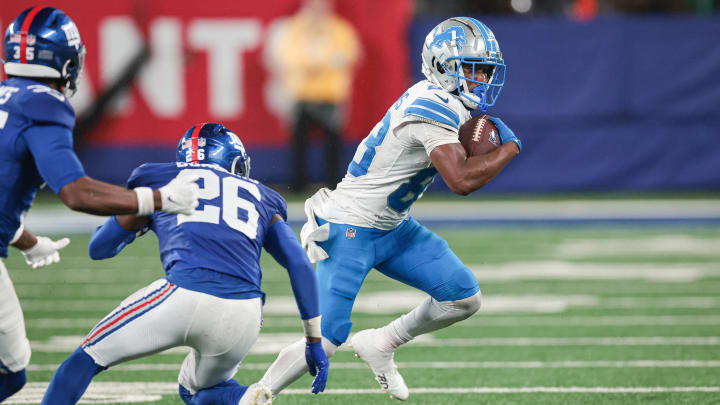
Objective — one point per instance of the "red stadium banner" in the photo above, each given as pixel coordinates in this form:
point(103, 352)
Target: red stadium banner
point(207, 63)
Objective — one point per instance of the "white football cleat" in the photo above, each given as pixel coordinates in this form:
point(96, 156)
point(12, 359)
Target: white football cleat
point(381, 363)
point(257, 394)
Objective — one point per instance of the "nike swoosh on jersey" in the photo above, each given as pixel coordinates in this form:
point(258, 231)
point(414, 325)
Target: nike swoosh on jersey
point(445, 100)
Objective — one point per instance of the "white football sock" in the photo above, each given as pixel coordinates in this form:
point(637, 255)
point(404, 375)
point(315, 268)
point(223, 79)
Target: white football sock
point(429, 316)
point(290, 365)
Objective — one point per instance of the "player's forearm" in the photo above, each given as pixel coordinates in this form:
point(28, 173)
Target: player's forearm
point(99, 198)
point(25, 241)
point(480, 170)
point(109, 239)
point(284, 247)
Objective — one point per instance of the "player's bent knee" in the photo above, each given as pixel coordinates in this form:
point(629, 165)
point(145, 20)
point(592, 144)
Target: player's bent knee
point(465, 307)
point(336, 332)
point(470, 305)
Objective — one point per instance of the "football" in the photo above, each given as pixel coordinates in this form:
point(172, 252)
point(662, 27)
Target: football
point(479, 136)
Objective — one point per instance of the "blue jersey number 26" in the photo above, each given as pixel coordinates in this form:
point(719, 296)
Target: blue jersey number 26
point(231, 202)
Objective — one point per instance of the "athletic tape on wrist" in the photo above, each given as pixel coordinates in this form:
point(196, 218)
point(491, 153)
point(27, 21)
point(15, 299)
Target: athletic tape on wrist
point(312, 327)
point(146, 201)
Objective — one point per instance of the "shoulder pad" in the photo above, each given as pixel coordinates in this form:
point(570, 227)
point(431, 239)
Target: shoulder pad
point(149, 174)
point(435, 106)
point(44, 104)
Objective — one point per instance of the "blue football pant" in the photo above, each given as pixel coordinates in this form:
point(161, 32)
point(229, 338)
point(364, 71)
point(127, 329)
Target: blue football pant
point(410, 253)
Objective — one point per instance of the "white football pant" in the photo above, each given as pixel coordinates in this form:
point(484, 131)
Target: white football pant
point(14, 345)
point(219, 331)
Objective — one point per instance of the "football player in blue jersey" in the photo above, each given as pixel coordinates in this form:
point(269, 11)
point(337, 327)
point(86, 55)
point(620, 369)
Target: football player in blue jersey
point(210, 298)
point(43, 59)
point(365, 222)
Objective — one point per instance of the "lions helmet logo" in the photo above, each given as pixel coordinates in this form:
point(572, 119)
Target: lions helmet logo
point(454, 35)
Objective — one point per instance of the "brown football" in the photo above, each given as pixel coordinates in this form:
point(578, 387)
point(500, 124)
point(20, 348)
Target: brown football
point(479, 136)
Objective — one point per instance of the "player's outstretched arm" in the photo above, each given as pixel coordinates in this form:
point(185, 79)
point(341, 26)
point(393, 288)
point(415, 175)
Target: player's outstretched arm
point(465, 174)
point(112, 237)
point(38, 251)
point(284, 247)
point(96, 197)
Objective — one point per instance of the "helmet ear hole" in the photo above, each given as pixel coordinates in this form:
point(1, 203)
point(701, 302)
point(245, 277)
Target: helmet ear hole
point(439, 67)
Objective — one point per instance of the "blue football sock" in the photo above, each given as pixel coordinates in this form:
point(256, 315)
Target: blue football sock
point(71, 379)
point(226, 393)
point(11, 383)
point(185, 395)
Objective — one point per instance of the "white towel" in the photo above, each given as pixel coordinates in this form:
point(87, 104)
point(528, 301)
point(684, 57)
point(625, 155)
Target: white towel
point(311, 232)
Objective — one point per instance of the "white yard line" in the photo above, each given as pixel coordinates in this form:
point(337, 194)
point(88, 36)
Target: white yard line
point(440, 365)
point(574, 341)
point(521, 390)
point(136, 392)
point(565, 270)
point(391, 302)
point(478, 320)
point(272, 343)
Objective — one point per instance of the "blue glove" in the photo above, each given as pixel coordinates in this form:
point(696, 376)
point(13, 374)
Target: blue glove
point(506, 134)
point(318, 364)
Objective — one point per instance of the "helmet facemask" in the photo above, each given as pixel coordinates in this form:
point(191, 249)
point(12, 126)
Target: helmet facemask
point(241, 166)
point(486, 93)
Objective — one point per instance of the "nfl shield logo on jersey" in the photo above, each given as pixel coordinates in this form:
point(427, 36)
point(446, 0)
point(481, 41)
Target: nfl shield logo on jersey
point(350, 233)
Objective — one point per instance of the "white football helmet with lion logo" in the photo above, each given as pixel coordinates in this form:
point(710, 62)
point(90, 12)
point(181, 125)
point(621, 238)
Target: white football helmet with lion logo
point(461, 41)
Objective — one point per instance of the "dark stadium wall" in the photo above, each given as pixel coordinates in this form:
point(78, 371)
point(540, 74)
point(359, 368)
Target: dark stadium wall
point(613, 104)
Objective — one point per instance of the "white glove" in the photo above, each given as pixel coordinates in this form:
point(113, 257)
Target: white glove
point(44, 252)
point(180, 196)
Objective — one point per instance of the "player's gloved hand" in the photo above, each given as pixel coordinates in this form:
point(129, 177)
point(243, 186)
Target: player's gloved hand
point(318, 364)
point(44, 252)
point(506, 134)
point(180, 196)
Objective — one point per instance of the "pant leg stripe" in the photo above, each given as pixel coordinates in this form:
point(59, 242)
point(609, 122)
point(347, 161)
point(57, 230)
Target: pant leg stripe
point(146, 305)
point(123, 309)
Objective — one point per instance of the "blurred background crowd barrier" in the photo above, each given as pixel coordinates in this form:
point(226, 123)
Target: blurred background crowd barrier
point(606, 95)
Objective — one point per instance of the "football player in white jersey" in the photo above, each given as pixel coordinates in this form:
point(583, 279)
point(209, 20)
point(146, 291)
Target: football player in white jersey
point(364, 223)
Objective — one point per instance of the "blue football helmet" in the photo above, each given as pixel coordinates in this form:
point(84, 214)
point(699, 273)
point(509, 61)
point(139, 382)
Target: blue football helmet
point(466, 41)
point(43, 42)
point(213, 143)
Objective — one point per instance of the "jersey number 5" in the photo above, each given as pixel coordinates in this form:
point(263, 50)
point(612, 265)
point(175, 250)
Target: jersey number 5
point(231, 202)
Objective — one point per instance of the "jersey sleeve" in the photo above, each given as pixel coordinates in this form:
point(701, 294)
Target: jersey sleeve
point(153, 175)
point(428, 135)
point(52, 149)
point(138, 177)
point(275, 203)
point(434, 109)
point(44, 105)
